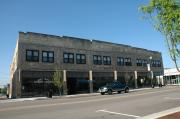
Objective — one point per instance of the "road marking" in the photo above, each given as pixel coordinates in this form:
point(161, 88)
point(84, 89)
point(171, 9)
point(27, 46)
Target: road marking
point(78, 102)
point(117, 113)
point(171, 98)
point(161, 114)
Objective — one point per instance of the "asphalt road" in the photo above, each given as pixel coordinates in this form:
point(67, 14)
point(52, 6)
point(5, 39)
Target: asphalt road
point(117, 106)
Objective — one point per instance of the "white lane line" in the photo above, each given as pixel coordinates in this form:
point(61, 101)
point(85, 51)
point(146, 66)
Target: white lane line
point(161, 114)
point(171, 98)
point(85, 101)
point(117, 113)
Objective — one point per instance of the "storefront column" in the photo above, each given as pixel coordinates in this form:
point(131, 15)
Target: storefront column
point(64, 83)
point(19, 84)
point(115, 75)
point(90, 81)
point(135, 79)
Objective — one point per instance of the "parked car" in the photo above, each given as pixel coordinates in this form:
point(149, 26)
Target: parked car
point(113, 87)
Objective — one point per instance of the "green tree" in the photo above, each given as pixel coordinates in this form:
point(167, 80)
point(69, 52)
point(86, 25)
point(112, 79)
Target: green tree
point(58, 80)
point(165, 17)
point(3, 90)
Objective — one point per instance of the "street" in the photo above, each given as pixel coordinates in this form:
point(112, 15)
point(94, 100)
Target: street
point(117, 106)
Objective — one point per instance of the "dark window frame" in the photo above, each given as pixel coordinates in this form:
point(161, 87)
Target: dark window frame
point(120, 61)
point(49, 60)
point(80, 60)
point(127, 61)
point(97, 61)
point(139, 62)
point(68, 59)
point(106, 61)
point(32, 58)
point(144, 62)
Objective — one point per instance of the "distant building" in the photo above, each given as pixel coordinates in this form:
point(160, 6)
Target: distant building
point(172, 76)
point(85, 64)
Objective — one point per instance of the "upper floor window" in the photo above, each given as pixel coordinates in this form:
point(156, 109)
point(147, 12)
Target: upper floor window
point(120, 61)
point(127, 61)
point(139, 62)
point(32, 55)
point(144, 62)
point(48, 56)
point(80, 58)
point(106, 60)
point(97, 59)
point(68, 58)
point(155, 63)
point(158, 63)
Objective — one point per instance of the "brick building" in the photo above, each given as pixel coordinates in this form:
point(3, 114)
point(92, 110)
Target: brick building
point(85, 64)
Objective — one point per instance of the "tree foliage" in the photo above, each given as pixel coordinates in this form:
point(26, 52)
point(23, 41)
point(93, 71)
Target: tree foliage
point(165, 17)
point(3, 90)
point(58, 80)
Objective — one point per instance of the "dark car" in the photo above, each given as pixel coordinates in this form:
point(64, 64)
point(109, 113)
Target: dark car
point(113, 87)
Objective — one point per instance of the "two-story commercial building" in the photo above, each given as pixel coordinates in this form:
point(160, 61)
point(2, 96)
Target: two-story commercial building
point(85, 64)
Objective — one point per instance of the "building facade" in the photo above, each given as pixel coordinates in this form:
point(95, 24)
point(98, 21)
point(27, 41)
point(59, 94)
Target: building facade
point(85, 64)
point(172, 76)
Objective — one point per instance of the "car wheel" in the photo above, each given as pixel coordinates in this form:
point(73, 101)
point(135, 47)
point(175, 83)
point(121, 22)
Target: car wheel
point(119, 92)
point(109, 92)
point(127, 90)
point(102, 93)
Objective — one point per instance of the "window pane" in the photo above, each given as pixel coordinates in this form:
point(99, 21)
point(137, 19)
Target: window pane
point(35, 53)
point(29, 53)
point(65, 55)
point(45, 59)
point(83, 57)
point(99, 57)
point(51, 54)
point(78, 56)
point(44, 54)
point(71, 56)
point(51, 59)
point(95, 57)
point(108, 58)
point(35, 58)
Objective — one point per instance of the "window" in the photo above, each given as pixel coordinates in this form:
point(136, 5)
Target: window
point(106, 60)
point(120, 61)
point(32, 55)
point(144, 63)
point(139, 62)
point(80, 58)
point(97, 59)
point(69, 58)
point(127, 61)
point(48, 56)
point(158, 63)
point(155, 63)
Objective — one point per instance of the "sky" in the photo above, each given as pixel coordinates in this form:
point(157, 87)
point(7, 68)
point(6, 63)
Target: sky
point(117, 21)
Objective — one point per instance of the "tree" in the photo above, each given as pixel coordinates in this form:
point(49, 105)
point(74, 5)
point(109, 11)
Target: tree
point(165, 17)
point(58, 80)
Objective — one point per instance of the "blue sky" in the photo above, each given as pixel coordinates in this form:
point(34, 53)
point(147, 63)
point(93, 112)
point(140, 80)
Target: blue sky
point(117, 21)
